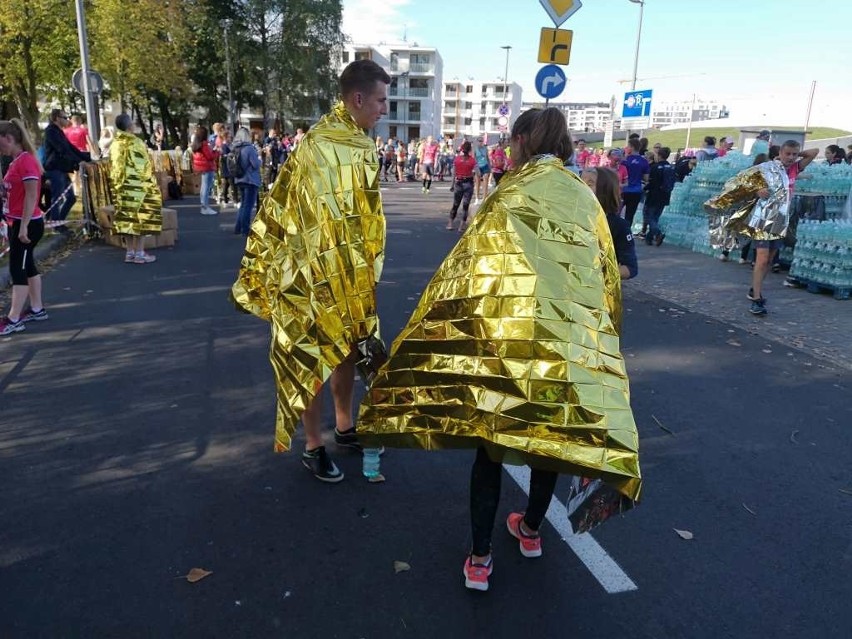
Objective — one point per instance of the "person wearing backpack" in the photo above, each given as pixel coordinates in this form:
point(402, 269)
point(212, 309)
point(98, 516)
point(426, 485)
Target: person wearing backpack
point(245, 168)
point(226, 163)
point(661, 181)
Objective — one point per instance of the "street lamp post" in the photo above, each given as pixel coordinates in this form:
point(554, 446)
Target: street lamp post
point(91, 114)
point(508, 48)
point(404, 104)
point(641, 4)
point(225, 26)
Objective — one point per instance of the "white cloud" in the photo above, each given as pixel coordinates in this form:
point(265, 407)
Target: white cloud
point(375, 21)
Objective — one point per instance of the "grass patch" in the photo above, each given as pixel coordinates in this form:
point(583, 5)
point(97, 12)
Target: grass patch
point(677, 139)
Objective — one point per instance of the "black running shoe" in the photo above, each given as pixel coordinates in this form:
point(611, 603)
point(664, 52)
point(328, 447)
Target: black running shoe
point(321, 465)
point(34, 316)
point(349, 439)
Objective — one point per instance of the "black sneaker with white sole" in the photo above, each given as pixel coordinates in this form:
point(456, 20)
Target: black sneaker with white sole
point(349, 439)
point(321, 465)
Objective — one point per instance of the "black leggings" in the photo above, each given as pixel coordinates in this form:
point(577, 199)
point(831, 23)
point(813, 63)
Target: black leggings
point(485, 478)
point(462, 193)
point(631, 203)
point(21, 261)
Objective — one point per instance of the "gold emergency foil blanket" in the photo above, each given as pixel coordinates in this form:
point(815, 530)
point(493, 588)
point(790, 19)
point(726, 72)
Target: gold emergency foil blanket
point(136, 196)
point(515, 342)
point(312, 260)
point(738, 209)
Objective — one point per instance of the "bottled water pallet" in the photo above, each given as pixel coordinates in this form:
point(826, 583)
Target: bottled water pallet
point(838, 292)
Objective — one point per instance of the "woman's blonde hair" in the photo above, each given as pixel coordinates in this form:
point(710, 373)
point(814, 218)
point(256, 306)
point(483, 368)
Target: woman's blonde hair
point(20, 135)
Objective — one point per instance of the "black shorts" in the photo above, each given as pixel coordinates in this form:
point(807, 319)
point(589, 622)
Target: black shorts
point(21, 261)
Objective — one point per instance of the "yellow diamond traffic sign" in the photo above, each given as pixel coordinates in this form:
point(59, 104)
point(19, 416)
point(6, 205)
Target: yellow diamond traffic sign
point(560, 10)
point(554, 46)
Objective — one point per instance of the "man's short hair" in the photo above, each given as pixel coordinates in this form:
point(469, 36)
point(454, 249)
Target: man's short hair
point(633, 136)
point(791, 144)
point(123, 122)
point(362, 75)
point(710, 140)
point(634, 144)
point(664, 152)
point(581, 140)
point(55, 113)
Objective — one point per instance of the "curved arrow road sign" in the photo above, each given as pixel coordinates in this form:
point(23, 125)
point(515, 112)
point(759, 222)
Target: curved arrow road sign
point(550, 81)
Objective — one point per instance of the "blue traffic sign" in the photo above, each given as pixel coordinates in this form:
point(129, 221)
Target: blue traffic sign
point(550, 81)
point(637, 104)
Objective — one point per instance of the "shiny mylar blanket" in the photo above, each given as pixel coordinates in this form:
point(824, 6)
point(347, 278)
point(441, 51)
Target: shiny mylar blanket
point(515, 342)
point(135, 192)
point(312, 261)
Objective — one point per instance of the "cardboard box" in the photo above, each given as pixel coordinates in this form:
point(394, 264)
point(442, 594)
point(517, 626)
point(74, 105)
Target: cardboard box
point(163, 180)
point(191, 184)
point(164, 239)
point(170, 219)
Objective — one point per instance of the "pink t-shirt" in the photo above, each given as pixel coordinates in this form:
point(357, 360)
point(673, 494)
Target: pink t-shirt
point(593, 161)
point(792, 173)
point(78, 136)
point(23, 169)
point(583, 158)
point(429, 152)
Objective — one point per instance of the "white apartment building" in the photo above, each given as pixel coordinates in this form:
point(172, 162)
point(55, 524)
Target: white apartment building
point(471, 108)
point(414, 98)
point(683, 111)
point(582, 117)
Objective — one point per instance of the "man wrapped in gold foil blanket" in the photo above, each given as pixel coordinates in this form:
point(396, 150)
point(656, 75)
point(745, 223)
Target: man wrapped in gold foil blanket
point(313, 258)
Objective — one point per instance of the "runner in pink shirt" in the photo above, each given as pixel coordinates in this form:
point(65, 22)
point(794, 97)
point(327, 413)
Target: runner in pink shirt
point(427, 163)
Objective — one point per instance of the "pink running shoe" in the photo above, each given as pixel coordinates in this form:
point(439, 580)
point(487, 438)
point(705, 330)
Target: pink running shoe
point(476, 575)
point(530, 546)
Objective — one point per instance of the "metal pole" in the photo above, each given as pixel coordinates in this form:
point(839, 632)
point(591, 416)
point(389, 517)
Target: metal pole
point(641, 4)
point(508, 48)
point(689, 126)
point(810, 105)
point(91, 113)
point(228, 79)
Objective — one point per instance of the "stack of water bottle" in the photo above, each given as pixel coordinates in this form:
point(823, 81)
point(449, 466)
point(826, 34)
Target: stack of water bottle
point(684, 221)
point(823, 253)
point(833, 182)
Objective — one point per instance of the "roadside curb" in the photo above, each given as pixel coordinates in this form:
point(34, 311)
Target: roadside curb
point(44, 250)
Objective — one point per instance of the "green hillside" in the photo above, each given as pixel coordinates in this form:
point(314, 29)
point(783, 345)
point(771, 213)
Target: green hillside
point(677, 139)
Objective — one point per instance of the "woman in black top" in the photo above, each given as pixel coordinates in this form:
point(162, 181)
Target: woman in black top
point(605, 185)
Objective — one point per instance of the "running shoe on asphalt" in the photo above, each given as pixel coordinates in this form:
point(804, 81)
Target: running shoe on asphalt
point(34, 316)
point(753, 298)
point(660, 239)
point(320, 464)
point(530, 546)
point(758, 307)
point(144, 258)
point(476, 575)
point(7, 326)
point(129, 257)
point(349, 439)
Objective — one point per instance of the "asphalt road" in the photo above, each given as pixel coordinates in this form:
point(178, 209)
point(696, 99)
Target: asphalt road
point(136, 444)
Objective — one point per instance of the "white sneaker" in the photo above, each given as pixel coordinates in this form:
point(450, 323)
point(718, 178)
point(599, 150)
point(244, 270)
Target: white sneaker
point(209, 211)
point(476, 202)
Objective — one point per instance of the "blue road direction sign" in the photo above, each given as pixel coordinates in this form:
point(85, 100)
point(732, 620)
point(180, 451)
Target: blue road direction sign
point(637, 104)
point(550, 81)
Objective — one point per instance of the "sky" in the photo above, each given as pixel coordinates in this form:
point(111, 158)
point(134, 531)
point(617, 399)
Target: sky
point(758, 57)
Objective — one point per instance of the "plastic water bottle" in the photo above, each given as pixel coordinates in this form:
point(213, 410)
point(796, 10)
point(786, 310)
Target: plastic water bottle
point(372, 463)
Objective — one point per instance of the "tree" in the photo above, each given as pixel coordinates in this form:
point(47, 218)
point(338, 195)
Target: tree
point(38, 46)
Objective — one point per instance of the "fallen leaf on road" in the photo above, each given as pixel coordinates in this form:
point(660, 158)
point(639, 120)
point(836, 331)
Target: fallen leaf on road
point(766, 350)
point(845, 491)
point(793, 439)
point(734, 342)
point(197, 574)
point(401, 566)
point(683, 534)
point(749, 509)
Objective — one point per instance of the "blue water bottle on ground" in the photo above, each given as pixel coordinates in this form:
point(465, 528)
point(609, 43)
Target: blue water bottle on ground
point(372, 463)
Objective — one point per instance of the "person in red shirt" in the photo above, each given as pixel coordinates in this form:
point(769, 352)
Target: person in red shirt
point(21, 193)
point(464, 169)
point(78, 135)
point(204, 161)
point(582, 154)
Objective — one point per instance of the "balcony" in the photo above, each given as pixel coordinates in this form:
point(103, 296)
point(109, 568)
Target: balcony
point(418, 92)
point(421, 67)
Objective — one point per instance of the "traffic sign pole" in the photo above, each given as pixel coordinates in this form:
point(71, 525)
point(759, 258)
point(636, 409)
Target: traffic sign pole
point(91, 113)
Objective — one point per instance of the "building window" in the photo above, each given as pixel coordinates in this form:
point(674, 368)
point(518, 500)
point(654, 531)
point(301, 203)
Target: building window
point(482, 105)
point(345, 56)
point(481, 123)
point(468, 88)
point(468, 105)
point(467, 121)
point(362, 55)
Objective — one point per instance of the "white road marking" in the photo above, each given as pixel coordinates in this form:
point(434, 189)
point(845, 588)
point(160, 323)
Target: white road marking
point(603, 567)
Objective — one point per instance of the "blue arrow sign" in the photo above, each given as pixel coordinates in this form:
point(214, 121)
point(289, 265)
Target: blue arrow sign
point(550, 81)
point(637, 104)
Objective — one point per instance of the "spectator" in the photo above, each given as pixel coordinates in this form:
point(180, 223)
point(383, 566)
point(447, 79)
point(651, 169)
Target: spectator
point(582, 154)
point(229, 187)
point(248, 182)
point(722, 151)
point(312, 261)
point(78, 136)
point(684, 166)
point(761, 143)
point(20, 190)
point(637, 176)
point(708, 151)
point(605, 185)
point(157, 141)
point(105, 141)
point(661, 181)
point(834, 154)
point(60, 159)
point(136, 195)
point(204, 161)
